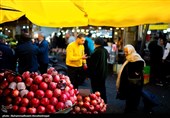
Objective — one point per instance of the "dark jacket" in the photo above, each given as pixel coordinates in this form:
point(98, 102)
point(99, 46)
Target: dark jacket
point(129, 72)
point(6, 57)
point(26, 52)
point(43, 52)
point(156, 52)
point(98, 66)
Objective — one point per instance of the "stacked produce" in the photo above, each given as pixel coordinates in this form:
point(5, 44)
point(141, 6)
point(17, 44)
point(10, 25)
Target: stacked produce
point(91, 104)
point(32, 93)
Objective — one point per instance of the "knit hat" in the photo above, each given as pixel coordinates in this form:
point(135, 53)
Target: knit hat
point(99, 41)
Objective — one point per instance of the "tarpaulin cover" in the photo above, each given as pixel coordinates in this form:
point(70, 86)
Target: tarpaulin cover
point(69, 13)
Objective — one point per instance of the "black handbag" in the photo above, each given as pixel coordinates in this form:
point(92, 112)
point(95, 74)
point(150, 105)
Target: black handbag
point(135, 81)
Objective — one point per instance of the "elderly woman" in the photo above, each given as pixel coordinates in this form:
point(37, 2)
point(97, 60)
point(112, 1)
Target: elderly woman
point(129, 82)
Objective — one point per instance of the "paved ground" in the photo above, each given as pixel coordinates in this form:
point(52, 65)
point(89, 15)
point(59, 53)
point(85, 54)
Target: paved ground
point(116, 106)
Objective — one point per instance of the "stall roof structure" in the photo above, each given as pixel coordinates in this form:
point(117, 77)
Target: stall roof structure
point(70, 13)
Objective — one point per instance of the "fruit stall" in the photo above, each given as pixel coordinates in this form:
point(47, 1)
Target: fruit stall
point(49, 93)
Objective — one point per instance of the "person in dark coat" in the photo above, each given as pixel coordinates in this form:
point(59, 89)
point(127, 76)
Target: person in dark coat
point(61, 41)
point(156, 54)
point(26, 55)
point(54, 41)
point(98, 68)
point(130, 80)
point(166, 63)
point(6, 56)
point(43, 59)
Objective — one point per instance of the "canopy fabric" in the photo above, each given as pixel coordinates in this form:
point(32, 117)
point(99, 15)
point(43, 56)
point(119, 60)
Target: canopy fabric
point(70, 13)
point(50, 13)
point(124, 13)
point(7, 14)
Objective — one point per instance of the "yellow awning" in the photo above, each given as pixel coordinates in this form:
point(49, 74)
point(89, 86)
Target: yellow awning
point(116, 13)
point(9, 14)
point(123, 13)
point(50, 13)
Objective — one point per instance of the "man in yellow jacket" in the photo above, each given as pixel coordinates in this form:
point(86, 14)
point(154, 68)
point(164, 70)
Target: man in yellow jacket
point(76, 60)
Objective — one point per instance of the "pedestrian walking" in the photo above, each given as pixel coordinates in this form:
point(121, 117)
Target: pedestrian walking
point(130, 79)
point(98, 68)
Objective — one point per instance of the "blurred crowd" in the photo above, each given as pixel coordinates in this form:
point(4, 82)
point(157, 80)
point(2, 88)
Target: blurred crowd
point(159, 48)
point(27, 55)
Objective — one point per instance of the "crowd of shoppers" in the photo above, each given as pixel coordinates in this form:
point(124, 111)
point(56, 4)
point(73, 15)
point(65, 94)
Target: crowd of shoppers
point(33, 56)
point(57, 41)
point(28, 55)
point(159, 60)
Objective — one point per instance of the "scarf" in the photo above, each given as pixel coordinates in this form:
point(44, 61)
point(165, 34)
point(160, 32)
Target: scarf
point(132, 56)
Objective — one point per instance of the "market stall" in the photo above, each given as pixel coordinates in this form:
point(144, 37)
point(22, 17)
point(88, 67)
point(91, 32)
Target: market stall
point(49, 93)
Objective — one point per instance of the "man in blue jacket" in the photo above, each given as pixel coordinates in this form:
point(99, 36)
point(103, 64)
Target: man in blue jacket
point(43, 59)
point(26, 54)
point(6, 56)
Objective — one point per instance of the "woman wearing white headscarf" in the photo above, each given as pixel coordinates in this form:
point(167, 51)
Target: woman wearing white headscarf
point(129, 81)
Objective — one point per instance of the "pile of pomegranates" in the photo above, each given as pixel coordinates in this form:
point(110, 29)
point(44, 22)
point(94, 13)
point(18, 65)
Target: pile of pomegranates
point(91, 104)
point(33, 93)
